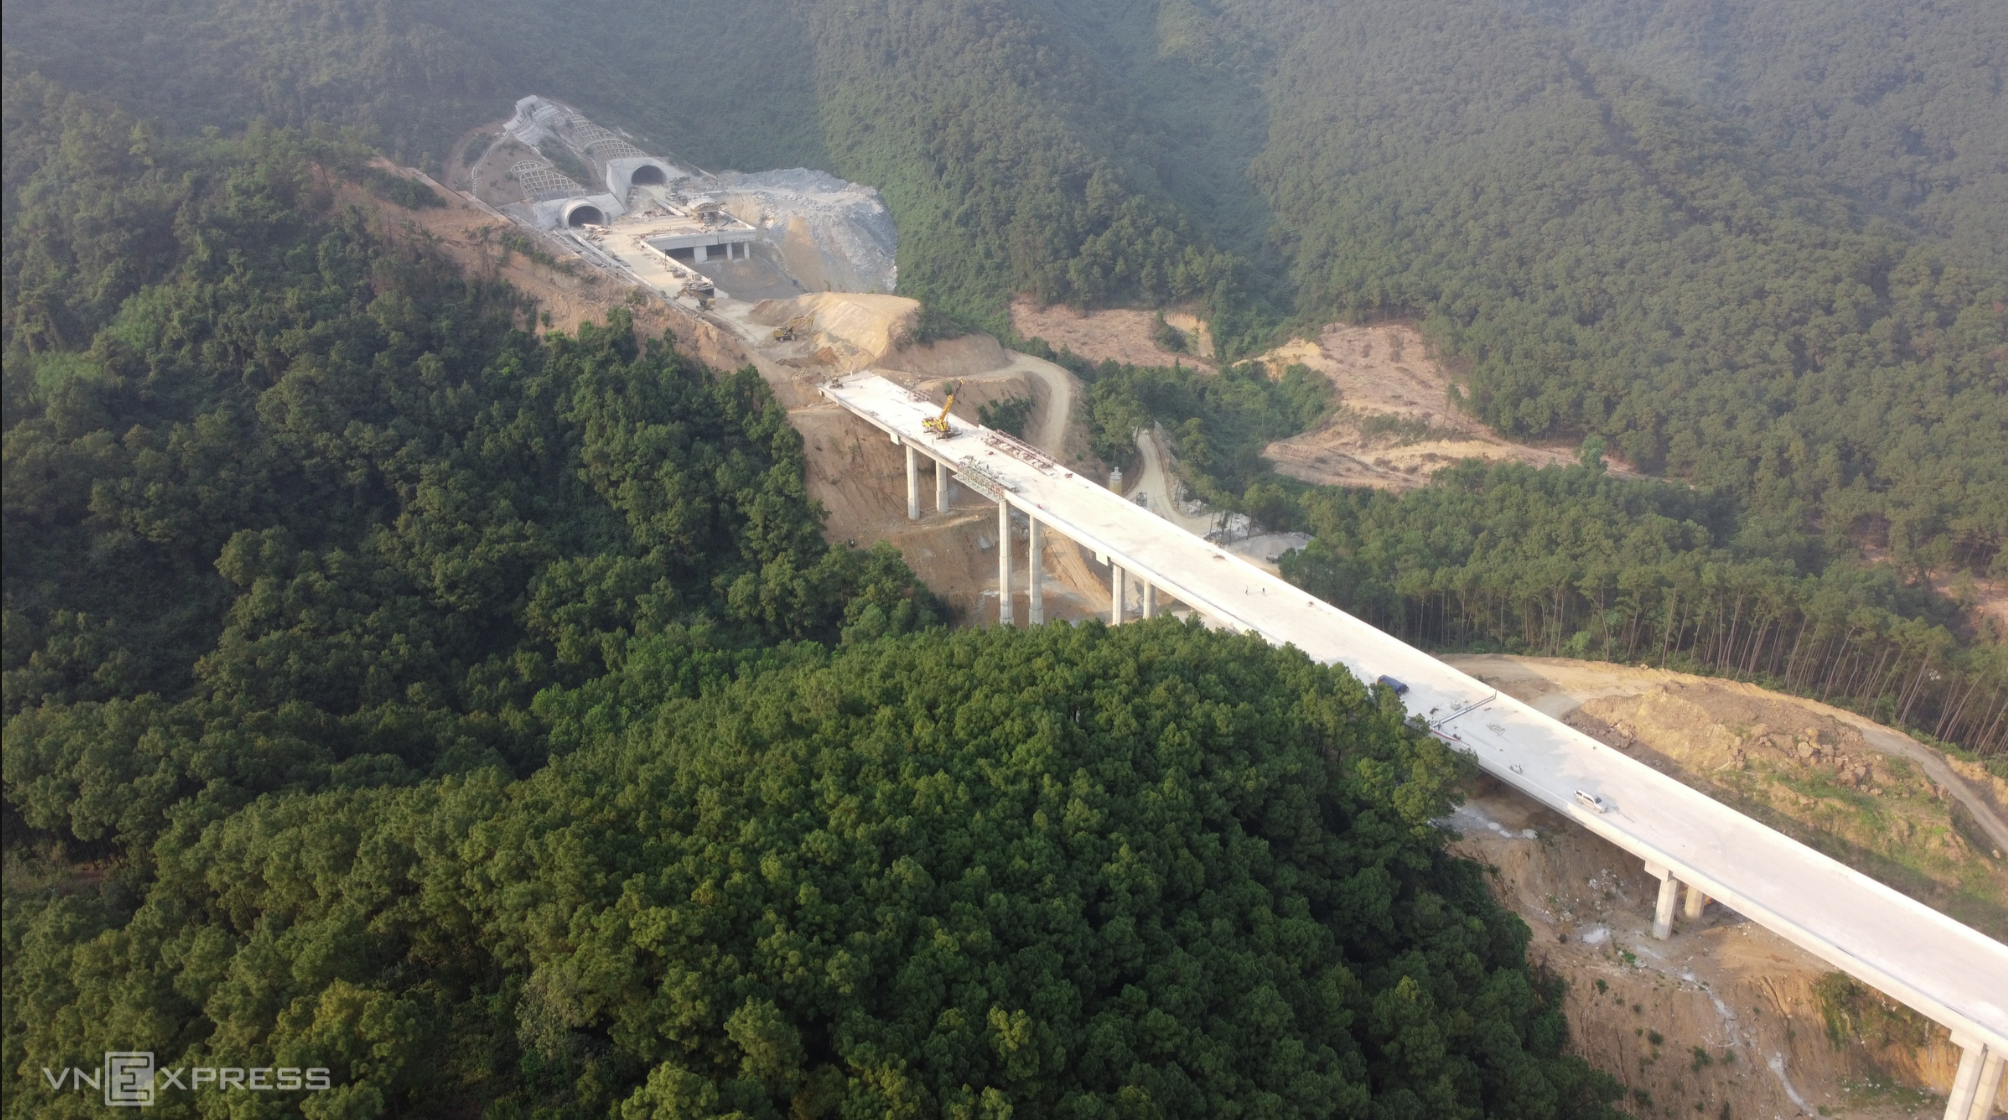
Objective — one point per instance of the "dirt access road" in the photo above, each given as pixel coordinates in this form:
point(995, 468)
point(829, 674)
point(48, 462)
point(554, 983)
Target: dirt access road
point(1159, 489)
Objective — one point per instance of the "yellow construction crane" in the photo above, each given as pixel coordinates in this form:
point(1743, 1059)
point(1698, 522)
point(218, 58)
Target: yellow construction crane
point(939, 426)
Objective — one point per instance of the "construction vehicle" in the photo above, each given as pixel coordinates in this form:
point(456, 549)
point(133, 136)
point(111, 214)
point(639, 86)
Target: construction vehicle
point(939, 426)
point(786, 332)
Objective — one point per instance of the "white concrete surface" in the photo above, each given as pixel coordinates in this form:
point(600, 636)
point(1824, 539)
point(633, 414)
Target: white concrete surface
point(1944, 970)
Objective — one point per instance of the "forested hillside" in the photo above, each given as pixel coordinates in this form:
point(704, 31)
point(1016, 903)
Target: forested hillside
point(1899, 102)
point(1600, 252)
point(1577, 563)
point(479, 716)
point(1154, 871)
point(1607, 260)
point(289, 504)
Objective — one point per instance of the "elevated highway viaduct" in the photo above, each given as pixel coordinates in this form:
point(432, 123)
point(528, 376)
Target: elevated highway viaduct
point(1944, 970)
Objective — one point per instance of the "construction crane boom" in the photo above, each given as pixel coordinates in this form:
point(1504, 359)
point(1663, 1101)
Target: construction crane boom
point(939, 426)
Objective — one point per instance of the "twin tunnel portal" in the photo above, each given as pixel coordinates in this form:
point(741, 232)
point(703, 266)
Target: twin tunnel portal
point(1940, 968)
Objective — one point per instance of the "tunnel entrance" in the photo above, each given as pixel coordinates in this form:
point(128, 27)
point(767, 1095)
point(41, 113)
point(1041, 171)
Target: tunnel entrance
point(585, 215)
point(648, 175)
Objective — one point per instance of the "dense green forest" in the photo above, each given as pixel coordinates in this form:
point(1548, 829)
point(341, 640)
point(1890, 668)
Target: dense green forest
point(1577, 563)
point(479, 715)
point(482, 714)
point(1899, 103)
point(1600, 241)
point(300, 505)
point(1152, 871)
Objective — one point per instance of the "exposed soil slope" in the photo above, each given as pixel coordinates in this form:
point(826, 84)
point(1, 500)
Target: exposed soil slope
point(1119, 334)
point(1394, 424)
point(1724, 1015)
point(1869, 796)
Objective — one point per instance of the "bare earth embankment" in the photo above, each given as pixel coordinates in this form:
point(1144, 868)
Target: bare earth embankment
point(1394, 424)
point(1113, 334)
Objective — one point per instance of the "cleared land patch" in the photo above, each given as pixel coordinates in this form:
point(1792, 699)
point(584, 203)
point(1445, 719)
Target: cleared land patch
point(1114, 334)
point(1394, 424)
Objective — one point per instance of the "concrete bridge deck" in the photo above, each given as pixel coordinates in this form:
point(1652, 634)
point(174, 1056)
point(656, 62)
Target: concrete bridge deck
point(1946, 971)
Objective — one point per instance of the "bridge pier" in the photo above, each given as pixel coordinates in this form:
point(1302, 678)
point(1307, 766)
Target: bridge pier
point(1989, 1089)
point(941, 486)
point(1669, 898)
point(1150, 600)
point(1978, 1082)
point(1696, 901)
point(1003, 563)
point(912, 484)
point(1119, 599)
point(1035, 575)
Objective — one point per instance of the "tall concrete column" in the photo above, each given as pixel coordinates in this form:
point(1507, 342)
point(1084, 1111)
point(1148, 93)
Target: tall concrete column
point(1150, 600)
point(699, 253)
point(912, 485)
point(1669, 899)
point(1989, 1089)
point(1695, 902)
point(1004, 563)
point(1960, 1103)
point(1035, 575)
point(1120, 599)
point(941, 485)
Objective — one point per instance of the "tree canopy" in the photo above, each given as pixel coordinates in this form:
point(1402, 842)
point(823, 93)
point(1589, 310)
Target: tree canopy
point(1573, 562)
point(304, 505)
point(1146, 871)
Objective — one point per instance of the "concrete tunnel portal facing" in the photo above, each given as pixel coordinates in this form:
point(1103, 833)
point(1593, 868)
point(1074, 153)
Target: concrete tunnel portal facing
point(583, 214)
point(1942, 969)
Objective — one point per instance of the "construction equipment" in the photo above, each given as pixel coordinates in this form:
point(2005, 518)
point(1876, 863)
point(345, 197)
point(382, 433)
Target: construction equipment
point(939, 426)
point(786, 332)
